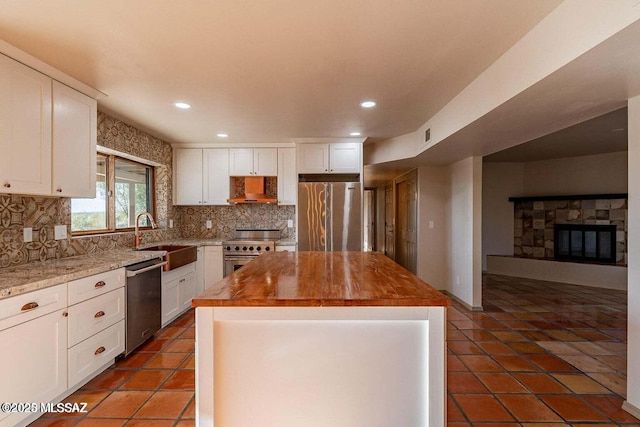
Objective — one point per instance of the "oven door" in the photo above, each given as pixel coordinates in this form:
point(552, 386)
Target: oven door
point(234, 262)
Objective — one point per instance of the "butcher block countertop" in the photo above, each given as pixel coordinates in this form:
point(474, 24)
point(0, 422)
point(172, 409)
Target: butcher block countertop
point(312, 279)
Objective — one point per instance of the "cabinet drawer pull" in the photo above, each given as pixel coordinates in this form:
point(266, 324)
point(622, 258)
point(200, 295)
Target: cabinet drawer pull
point(58, 190)
point(29, 306)
point(99, 314)
point(100, 349)
point(100, 284)
point(182, 280)
point(7, 185)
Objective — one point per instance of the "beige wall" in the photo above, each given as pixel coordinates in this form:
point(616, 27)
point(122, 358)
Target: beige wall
point(433, 190)
point(465, 219)
point(499, 182)
point(597, 174)
point(633, 326)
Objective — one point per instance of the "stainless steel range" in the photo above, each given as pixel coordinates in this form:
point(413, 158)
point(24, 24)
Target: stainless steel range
point(246, 246)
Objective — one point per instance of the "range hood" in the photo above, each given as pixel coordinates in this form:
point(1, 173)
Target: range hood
point(253, 192)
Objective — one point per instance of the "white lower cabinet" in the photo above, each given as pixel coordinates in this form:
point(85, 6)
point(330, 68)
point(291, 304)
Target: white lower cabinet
point(213, 265)
point(186, 289)
point(94, 315)
point(178, 287)
point(33, 364)
point(209, 268)
point(96, 324)
point(94, 353)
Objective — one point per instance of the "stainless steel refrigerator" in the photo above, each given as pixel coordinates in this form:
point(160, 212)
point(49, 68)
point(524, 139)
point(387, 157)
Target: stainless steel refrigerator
point(329, 216)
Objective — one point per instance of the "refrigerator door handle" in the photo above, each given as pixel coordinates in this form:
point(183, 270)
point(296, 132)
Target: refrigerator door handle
point(328, 207)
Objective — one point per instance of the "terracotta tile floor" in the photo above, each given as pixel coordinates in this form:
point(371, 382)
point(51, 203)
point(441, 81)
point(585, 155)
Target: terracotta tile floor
point(541, 353)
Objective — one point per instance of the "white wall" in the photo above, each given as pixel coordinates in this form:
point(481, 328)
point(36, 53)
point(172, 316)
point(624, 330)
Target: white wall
point(433, 190)
point(596, 174)
point(499, 182)
point(633, 279)
point(465, 219)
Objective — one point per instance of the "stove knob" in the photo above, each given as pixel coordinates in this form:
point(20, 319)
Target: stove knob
point(258, 248)
point(251, 248)
point(267, 249)
point(244, 248)
point(237, 248)
point(228, 248)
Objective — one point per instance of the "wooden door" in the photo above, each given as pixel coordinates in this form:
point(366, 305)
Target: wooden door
point(389, 239)
point(407, 224)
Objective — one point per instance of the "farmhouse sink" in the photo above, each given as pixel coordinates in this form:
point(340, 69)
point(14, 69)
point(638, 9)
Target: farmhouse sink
point(176, 255)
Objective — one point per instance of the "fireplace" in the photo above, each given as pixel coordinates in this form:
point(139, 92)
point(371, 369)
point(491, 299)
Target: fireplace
point(585, 242)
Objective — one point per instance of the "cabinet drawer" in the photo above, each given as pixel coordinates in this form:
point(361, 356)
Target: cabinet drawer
point(92, 286)
point(91, 316)
point(16, 310)
point(168, 276)
point(91, 354)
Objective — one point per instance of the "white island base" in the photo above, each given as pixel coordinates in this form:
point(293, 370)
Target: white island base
point(320, 366)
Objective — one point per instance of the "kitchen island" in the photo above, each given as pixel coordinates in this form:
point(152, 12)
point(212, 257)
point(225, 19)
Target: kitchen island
point(320, 339)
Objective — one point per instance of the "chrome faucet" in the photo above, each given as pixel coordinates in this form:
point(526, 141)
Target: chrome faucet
point(138, 237)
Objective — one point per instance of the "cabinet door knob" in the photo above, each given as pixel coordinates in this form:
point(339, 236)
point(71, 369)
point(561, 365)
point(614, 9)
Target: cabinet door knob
point(100, 284)
point(29, 306)
point(7, 185)
point(99, 350)
point(99, 314)
point(58, 190)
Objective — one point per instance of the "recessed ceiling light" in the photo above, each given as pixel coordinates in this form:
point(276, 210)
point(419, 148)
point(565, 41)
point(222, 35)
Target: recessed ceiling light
point(182, 105)
point(222, 135)
point(355, 134)
point(368, 104)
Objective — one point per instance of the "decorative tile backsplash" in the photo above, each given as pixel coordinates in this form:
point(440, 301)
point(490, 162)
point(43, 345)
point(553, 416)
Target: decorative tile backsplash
point(225, 219)
point(43, 213)
point(534, 223)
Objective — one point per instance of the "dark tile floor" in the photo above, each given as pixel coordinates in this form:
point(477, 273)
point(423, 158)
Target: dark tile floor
point(541, 354)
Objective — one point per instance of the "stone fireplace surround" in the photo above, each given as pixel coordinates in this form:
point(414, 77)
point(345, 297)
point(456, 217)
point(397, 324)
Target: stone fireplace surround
point(536, 216)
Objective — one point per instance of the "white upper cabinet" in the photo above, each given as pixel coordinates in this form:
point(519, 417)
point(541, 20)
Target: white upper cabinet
point(47, 135)
point(345, 157)
point(74, 143)
point(253, 161)
point(187, 176)
point(215, 171)
point(25, 129)
point(338, 157)
point(287, 177)
point(313, 158)
point(201, 176)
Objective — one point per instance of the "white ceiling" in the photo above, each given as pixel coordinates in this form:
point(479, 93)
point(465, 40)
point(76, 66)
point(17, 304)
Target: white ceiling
point(603, 134)
point(271, 71)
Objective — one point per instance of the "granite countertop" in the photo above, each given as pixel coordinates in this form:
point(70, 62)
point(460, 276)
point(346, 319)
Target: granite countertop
point(312, 279)
point(33, 276)
point(181, 241)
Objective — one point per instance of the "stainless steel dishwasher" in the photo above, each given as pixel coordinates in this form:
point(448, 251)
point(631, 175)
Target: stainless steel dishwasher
point(144, 290)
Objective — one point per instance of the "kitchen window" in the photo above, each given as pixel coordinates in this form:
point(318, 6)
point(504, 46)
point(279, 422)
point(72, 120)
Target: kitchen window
point(124, 189)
